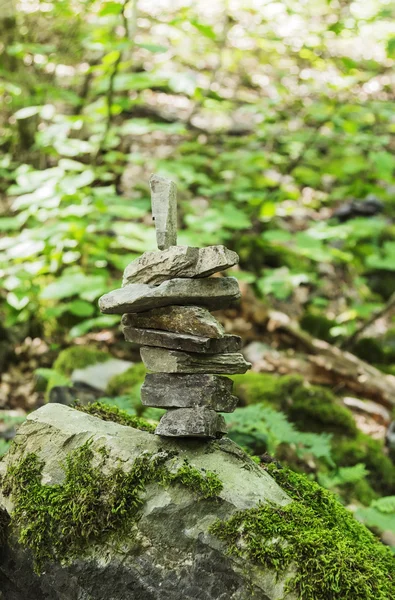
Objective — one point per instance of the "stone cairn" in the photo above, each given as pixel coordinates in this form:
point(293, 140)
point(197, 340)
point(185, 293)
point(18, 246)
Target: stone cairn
point(164, 300)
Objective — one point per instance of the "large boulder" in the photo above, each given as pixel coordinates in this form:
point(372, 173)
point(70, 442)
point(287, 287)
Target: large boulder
point(103, 511)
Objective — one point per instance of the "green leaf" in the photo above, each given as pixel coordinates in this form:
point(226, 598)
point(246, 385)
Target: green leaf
point(9, 223)
point(391, 48)
point(103, 321)
point(204, 29)
point(88, 287)
point(155, 48)
point(110, 8)
point(80, 308)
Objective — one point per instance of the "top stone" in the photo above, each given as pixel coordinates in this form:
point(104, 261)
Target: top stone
point(179, 261)
point(164, 210)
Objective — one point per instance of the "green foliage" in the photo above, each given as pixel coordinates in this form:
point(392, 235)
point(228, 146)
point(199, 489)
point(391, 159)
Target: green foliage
point(311, 408)
point(380, 515)
point(263, 429)
point(363, 449)
point(112, 413)
point(274, 151)
point(330, 554)
point(62, 521)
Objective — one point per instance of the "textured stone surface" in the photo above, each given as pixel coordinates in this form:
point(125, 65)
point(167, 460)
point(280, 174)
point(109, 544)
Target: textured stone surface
point(215, 293)
point(182, 341)
point(200, 422)
point(169, 555)
point(179, 261)
point(159, 360)
point(163, 390)
point(193, 320)
point(164, 210)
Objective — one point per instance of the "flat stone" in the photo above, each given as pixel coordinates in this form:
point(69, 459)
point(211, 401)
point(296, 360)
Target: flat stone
point(182, 341)
point(198, 422)
point(179, 261)
point(215, 293)
point(159, 360)
point(193, 320)
point(163, 390)
point(164, 210)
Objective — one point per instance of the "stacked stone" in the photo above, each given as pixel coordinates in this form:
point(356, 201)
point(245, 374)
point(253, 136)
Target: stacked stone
point(165, 301)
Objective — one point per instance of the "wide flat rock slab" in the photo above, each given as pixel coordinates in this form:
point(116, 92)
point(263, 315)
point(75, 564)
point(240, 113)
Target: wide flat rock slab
point(215, 293)
point(200, 422)
point(193, 320)
point(169, 554)
point(182, 341)
point(163, 390)
point(179, 261)
point(160, 360)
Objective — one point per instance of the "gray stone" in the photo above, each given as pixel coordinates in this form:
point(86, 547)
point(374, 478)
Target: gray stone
point(159, 360)
point(162, 390)
point(169, 554)
point(182, 341)
point(179, 261)
point(98, 375)
point(164, 210)
point(200, 422)
point(193, 320)
point(215, 293)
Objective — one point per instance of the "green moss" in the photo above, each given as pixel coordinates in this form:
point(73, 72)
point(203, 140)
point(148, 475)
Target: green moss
point(206, 487)
point(252, 388)
point(112, 413)
point(311, 408)
point(78, 357)
point(60, 522)
point(334, 556)
point(314, 408)
point(125, 382)
point(363, 449)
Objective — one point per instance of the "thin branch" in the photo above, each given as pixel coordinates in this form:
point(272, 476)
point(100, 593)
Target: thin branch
point(388, 306)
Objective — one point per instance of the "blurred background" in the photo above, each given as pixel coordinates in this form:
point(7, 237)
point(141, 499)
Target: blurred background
point(276, 120)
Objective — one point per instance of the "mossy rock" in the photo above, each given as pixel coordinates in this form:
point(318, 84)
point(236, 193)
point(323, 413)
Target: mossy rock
point(311, 408)
point(364, 449)
point(93, 501)
point(79, 357)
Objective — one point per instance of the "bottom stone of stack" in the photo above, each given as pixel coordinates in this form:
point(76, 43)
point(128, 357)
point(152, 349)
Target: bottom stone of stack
point(197, 422)
point(164, 390)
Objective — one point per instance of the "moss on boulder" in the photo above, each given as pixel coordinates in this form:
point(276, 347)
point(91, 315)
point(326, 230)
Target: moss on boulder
point(337, 557)
point(111, 511)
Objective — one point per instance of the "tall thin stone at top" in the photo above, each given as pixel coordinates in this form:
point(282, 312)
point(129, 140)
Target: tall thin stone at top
point(164, 210)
